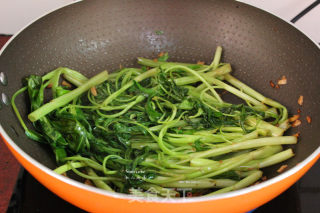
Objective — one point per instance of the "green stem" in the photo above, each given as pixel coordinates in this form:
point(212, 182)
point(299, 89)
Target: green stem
point(212, 138)
point(231, 129)
point(162, 145)
point(128, 106)
point(165, 65)
point(73, 76)
point(269, 161)
point(139, 78)
point(195, 73)
point(261, 124)
point(63, 100)
point(237, 92)
point(201, 162)
point(206, 97)
point(99, 183)
point(212, 74)
point(246, 89)
point(246, 145)
point(249, 136)
point(180, 123)
point(141, 145)
point(216, 59)
point(55, 82)
point(68, 166)
point(15, 109)
point(247, 181)
point(242, 159)
point(200, 184)
point(87, 161)
point(165, 192)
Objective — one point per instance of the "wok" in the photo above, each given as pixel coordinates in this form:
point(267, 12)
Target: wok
point(91, 36)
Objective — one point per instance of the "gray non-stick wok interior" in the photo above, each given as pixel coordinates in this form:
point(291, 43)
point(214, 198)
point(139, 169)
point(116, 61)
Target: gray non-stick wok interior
point(95, 35)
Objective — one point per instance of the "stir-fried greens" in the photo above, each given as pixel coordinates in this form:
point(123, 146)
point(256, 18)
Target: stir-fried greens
point(163, 126)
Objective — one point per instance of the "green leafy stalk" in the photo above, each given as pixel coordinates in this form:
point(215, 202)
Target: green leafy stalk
point(246, 89)
point(63, 100)
point(200, 184)
point(241, 184)
point(246, 145)
point(147, 131)
point(269, 161)
point(139, 78)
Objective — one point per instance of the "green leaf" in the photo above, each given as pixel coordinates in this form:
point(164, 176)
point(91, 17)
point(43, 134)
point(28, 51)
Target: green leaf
point(199, 146)
point(159, 32)
point(34, 84)
point(60, 91)
point(186, 104)
point(33, 135)
point(152, 113)
point(177, 93)
point(164, 57)
point(145, 91)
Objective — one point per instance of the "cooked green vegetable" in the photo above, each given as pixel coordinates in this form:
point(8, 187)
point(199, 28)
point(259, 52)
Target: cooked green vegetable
point(162, 126)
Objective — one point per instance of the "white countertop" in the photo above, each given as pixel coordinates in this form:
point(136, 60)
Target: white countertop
point(288, 9)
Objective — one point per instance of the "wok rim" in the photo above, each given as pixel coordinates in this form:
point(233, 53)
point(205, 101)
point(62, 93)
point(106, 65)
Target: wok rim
point(9, 142)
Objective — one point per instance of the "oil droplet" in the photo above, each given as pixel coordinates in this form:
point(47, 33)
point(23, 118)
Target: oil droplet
point(3, 79)
point(5, 99)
